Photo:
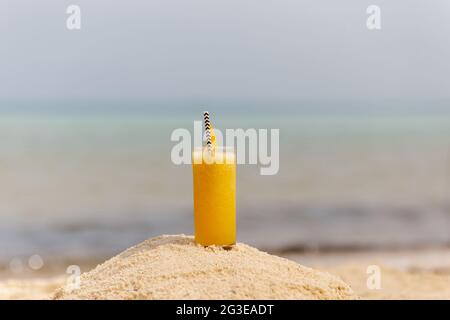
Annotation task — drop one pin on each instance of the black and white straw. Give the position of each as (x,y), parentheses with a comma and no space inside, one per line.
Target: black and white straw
(207,124)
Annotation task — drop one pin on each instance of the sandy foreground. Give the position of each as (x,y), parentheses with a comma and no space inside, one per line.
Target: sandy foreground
(418,274)
(421,274)
(174,267)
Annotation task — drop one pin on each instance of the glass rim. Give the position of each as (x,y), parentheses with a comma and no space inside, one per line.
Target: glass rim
(227,148)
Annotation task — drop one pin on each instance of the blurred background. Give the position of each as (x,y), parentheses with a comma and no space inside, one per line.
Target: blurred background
(86,117)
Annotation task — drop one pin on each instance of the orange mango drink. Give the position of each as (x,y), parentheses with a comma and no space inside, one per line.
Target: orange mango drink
(214,173)
(214,196)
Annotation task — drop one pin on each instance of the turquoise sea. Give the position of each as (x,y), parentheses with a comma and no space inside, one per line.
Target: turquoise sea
(91,183)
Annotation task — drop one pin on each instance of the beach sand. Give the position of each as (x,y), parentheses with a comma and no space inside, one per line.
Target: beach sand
(174,267)
(404,274)
(30,289)
(415,274)
(396,284)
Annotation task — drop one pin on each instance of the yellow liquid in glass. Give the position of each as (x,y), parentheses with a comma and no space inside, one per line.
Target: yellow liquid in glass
(214,196)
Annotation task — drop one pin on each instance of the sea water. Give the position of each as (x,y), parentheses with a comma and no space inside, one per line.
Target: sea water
(93,183)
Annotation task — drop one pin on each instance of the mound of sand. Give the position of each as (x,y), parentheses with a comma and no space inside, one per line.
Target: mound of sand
(174,267)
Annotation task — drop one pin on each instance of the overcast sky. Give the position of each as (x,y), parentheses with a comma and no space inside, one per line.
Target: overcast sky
(225,49)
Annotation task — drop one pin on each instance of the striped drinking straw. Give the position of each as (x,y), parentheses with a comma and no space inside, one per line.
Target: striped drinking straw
(207,124)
